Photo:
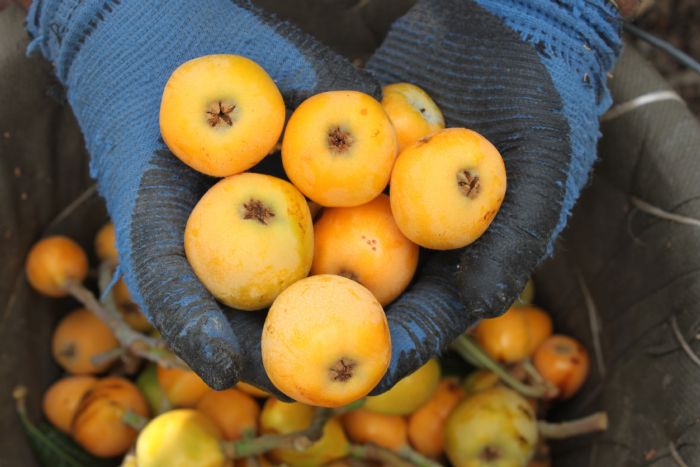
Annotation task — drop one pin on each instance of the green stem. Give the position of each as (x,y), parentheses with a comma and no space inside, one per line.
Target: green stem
(134,420)
(471,351)
(298,441)
(135,342)
(107,356)
(416,458)
(590,424)
(371,452)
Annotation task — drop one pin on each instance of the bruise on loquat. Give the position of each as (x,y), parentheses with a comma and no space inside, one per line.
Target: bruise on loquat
(349,274)
(68,351)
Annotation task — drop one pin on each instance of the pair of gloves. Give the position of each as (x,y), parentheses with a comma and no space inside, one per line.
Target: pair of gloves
(528,75)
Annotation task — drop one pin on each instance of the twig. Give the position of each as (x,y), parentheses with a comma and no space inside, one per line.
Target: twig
(532,372)
(298,441)
(590,424)
(681,340)
(135,342)
(378,454)
(107,356)
(470,350)
(676,455)
(416,458)
(658,212)
(134,420)
(593,321)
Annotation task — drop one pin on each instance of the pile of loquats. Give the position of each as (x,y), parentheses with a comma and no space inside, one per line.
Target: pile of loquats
(252,240)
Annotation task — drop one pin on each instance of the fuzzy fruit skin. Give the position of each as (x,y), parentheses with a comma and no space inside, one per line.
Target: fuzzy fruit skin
(364,244)
(98,425)
(182,388)
(340,338)
(412,111)
(428,202)
(62,399)
(426,426)
(234,413)
(79,336)
(339,178)
(252,390)
(494,427)
(564,362)
(246,262)
(409,393)
(223,150)
(106,244)
(54,262)
(388,431)
(515,335)
(283,418)
(180,438)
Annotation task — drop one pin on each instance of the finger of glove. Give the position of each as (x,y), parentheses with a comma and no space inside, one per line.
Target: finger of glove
(486,76)
(425,319)
(114,58)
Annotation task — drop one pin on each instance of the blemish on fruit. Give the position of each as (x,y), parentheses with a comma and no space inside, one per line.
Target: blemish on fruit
(363,112)
(349,275)
(489,453)
(468,183)
(255,209)
(68,351)
(342,370)
(219,114)
(339,140)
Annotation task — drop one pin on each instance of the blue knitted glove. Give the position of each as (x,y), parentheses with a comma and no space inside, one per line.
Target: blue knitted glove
(532,82)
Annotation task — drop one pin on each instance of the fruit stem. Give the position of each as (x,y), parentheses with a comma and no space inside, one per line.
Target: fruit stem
(133,341)
(19,393)
(298,440)
(473,353)
(590,424)
(134,420)
(405,457)
(107,356)
(416,458)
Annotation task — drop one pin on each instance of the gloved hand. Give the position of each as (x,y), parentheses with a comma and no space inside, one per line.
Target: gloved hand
(530,76)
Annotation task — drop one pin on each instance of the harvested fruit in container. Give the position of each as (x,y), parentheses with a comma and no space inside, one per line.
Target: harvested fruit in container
(99,425)
(54,263)
(409,393)
(79,337)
